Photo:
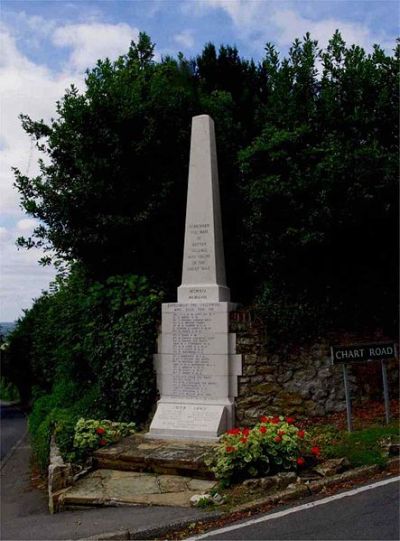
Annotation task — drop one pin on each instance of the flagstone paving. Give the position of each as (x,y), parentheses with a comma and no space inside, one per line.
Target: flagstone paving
(112,487)
(173,457)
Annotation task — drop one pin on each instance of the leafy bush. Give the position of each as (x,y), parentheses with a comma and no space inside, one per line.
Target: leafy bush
(308,158)
(96,334)
(59,411)
(274,444)
(90,434)
(8,391)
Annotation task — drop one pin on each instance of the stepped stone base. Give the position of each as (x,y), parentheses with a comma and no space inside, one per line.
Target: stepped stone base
(114,488)
(173,457)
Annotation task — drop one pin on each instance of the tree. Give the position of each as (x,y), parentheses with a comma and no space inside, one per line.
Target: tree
(307,149)
(114,194)
(320,184)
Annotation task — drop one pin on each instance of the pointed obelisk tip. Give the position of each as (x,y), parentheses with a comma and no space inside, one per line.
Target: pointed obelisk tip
(201,116)
(203,273)
(202,120)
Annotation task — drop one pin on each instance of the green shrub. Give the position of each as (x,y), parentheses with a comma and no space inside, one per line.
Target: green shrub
(91,434)
(95,334)
(60,411)
(8,391)
(272,445)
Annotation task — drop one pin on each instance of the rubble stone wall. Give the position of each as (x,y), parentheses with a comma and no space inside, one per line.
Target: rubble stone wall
(301,381)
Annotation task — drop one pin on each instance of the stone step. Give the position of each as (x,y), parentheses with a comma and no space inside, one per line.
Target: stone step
(170,457)
(113,488)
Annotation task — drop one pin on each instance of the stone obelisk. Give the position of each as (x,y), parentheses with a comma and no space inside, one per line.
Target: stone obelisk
(196,364)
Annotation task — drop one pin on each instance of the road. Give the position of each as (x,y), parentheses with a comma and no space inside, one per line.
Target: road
(13,426)
(362,513)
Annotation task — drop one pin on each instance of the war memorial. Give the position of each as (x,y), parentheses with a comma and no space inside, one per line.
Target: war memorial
(196,363)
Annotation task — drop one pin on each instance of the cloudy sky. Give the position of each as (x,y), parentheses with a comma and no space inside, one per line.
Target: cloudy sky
(47,45)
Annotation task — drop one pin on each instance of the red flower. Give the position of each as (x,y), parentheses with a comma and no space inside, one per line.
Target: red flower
(245,431)
(264,419)
(278,439)
(102,442)
(100,430)
(281,432)
(316,451)
(289,420)
(300,434)
(230,449)
(275,420)
(234,431)
(263,429)
(300,461)
(243,440)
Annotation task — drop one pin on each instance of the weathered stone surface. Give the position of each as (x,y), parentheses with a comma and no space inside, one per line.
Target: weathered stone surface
(285,478)
(267,482)
(59,476)
(200,485)
(251,483)
(303,382)
(137,453)
(109,487)
(172,483)
(332,466)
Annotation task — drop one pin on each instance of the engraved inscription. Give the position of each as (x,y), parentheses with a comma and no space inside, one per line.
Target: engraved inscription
(199,253)
(191,369)
(187,416)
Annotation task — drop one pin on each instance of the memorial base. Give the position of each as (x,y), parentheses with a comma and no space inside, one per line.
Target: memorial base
(191,420)
(203,293)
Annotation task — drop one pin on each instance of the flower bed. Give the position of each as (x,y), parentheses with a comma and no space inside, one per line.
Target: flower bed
(274,444)
(91,434)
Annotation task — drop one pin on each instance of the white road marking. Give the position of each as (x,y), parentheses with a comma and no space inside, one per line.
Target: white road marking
(309,505)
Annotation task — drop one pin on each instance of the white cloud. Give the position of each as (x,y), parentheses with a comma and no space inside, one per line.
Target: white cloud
(22,278)
(259,21)
(185,38)
(4,234)
(89,42)
(245,13)
(291,25)
(25,87)
(26,225)
(32,88)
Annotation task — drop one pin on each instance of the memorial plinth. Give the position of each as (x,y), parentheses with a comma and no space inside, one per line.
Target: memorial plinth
(196,364)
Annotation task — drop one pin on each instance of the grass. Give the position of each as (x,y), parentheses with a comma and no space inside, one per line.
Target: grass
(362,447)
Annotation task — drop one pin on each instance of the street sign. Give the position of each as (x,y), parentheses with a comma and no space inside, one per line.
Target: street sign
(361,353)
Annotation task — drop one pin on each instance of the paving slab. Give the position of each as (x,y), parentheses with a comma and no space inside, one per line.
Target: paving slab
(112,487)
(25,515)
(173,457)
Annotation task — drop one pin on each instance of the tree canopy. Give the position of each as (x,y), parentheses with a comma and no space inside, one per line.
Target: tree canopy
(307,149)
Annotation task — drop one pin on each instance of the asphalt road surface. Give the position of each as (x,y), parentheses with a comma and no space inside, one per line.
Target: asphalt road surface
(13,426)
(362,514)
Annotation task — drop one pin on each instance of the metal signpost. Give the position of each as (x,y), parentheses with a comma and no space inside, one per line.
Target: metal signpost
(360,353)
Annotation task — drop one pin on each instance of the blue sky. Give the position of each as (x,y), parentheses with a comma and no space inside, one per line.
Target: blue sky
(47,45)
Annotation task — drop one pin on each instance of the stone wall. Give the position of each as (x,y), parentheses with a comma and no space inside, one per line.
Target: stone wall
(302,381)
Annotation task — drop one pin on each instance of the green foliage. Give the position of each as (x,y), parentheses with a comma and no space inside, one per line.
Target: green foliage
(308,173)
(112,195)
(361,447)
(91,434)
(272,445)
(320,190)
(59,411)
(100,335)
(8,391)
